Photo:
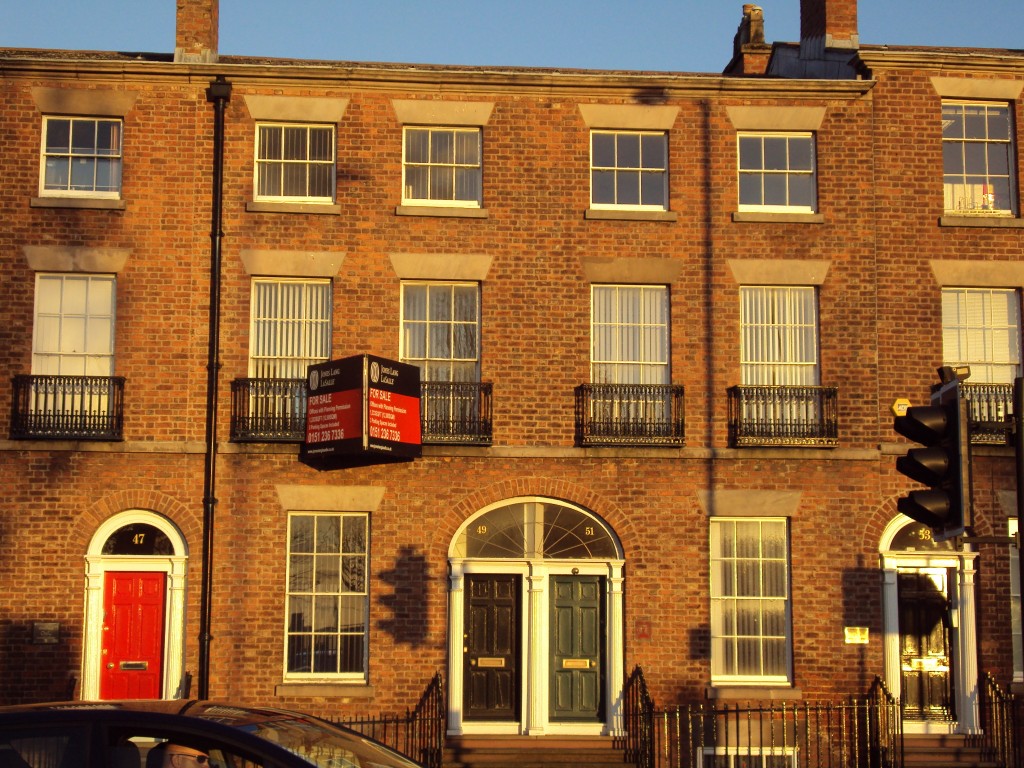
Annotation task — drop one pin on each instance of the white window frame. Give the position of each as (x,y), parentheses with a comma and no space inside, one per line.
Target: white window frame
(724,615)
(88,158)
(73,331)
(621,169)
(987,191)
(441,332)
(974,330)
(632,345)
(779,335)
(450,166)
(281,165)
(289,326)
(311,592)
(749,172)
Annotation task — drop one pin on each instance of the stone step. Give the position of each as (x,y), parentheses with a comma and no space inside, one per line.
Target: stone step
(532,752)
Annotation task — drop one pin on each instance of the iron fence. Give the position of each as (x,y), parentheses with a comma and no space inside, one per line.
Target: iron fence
(418,734)
(629,414)
(859,733)
(268,410)
(456,412)
(783,416)
(989,407)
(67,407)
(1002,725)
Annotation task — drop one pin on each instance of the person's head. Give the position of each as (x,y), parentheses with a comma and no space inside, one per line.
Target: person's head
(169,755)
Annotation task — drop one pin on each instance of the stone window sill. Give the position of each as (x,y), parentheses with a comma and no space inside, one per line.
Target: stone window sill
(753,693)
(315,208)
(441,211)
(778,218)
(91,203)
(607,214)
(327,690)
(998,222)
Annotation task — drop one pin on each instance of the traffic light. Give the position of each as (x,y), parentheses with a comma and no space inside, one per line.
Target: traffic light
(943,464)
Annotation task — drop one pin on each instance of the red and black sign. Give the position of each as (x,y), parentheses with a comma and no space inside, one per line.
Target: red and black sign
(361,409)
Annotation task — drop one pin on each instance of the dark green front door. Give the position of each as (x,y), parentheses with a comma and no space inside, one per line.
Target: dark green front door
(491,648)
(577,648)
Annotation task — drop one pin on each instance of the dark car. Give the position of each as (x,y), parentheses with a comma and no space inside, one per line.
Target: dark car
(112,734)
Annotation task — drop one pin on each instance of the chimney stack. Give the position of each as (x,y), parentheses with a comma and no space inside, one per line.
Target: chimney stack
(827,24)
(195,39)
(750,53)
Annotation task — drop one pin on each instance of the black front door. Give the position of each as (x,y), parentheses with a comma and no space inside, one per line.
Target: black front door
(577,648)
(491,648)
(924,647)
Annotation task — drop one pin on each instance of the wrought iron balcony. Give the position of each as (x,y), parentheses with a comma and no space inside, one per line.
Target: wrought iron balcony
(783,416)
(67,408)
(456,412)
(268,410)
(629,414)
(989,406)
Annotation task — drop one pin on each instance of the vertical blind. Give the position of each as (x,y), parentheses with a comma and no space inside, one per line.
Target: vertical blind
(779,335)
(629,334)
(981,328)
(291,327)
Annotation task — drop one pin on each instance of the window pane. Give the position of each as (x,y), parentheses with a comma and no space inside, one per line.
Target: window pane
(629,188)
(442,147)
(800,156)
(417,145)
(653,151)
(750,189)
(751,153)
(603,150)
(775,155)
(83,137)
(603,187)
(652,191)
(628,151)
(467,147)
(270,143)
(58,135)
(801,191)
(775,189)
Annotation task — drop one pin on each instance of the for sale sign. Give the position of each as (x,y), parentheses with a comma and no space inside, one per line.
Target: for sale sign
(359,410)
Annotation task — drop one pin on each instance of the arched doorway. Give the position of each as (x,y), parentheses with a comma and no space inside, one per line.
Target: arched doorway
(134,609)
(535,621)
(929,633)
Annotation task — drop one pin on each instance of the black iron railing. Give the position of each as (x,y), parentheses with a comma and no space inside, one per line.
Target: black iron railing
(268,410)
(783,416)
(858,733)
(989,406)
(457,412)
(629,414)
(1002,725)
(418,734)
(67,408)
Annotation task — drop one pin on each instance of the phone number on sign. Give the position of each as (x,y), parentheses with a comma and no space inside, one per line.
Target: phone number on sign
(383,433)
(323,435)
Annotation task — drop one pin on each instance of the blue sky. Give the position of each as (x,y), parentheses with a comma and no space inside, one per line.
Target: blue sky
(671,35)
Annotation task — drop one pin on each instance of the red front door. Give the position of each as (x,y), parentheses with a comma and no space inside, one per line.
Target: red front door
(133,636)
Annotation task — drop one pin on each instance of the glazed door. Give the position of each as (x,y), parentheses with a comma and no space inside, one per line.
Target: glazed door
(577,648)
(133,636)
(491,648)
(924,646)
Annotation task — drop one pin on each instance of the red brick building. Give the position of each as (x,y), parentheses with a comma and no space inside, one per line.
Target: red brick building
(660,320)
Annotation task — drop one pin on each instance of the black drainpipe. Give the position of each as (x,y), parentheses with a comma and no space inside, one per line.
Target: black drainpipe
(219,94)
